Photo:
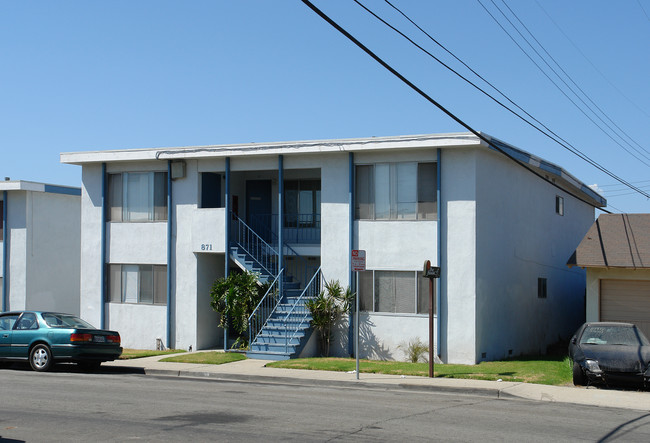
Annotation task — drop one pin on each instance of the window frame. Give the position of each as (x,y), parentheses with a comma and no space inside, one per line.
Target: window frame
(420,293)
(119,192)
(559,205)
(156,296)
(422,199)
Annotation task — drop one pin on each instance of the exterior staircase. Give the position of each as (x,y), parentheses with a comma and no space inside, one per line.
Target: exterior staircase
(280,326)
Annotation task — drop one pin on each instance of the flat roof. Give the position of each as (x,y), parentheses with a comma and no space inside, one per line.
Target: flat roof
(24,185)
(548,170)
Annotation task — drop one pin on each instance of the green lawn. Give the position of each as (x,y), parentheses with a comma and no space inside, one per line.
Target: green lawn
(128,354)
(542,370)
(207,358)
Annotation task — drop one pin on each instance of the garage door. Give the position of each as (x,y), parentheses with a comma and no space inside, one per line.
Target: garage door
(626,301)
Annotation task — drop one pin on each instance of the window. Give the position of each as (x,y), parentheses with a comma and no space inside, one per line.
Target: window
(210,190)
(7,321)
(137,196)
(541,288)
(396,191)
(27,321)
(301,203)
(559,205)
(394,291)
(145,284)
(2,203)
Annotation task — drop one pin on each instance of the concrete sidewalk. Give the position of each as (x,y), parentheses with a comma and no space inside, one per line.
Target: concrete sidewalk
(256,370)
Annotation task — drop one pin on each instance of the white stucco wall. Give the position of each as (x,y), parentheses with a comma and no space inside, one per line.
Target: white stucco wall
(91,241)
(17,221)
(139,325)
(53,252)
(458,268)
(520,238)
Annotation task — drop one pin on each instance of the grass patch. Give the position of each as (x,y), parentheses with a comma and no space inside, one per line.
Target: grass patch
(128,354)
(541,370)
(207,358)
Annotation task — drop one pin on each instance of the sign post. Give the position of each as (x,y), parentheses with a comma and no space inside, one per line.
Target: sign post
(431,272)
(358,264)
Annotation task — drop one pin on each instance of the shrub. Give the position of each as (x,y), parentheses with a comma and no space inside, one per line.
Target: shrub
(415,350)
(326,308)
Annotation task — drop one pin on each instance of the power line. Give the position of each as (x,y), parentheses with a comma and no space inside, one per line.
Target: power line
(552,81)
(589,60)
(428,98)
(576,85)
(556,138)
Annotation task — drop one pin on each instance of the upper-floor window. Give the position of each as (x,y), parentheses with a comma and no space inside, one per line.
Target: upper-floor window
(396,191)
(1,218)
(211,190)
(559,205)
(301,203)
(137,196)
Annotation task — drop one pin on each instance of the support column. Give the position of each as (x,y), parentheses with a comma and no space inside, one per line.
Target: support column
(102,252)
(281,221)
(351,279)
(227,240)
(169,254)
(5,249)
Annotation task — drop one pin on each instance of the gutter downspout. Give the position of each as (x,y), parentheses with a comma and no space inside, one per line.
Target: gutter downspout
(5,236)
(102,302)
(169,254)
(227,241)
(280,219)
(351,247)
(438,285)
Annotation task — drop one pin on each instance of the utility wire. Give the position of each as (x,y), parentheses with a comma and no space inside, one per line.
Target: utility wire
(554,83)
(559,140)
(590,62)
(578,86)
(430,99)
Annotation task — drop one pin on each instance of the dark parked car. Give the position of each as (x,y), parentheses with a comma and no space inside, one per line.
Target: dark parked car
(45,338)
(610,353)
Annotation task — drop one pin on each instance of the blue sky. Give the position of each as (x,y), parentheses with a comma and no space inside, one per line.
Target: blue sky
(80,75)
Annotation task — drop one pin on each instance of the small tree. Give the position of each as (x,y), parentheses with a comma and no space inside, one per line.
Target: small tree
(326,308)
(235,298)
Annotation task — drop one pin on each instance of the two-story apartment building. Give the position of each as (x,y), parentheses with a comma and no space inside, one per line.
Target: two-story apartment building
(40,242)
(160,225)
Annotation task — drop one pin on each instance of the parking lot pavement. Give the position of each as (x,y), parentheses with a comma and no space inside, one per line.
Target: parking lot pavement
(256,370)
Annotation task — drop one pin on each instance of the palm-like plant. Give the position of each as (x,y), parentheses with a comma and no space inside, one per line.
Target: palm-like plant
(326,308)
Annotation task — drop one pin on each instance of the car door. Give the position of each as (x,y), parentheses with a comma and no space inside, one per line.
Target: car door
(7,322)
(25,331)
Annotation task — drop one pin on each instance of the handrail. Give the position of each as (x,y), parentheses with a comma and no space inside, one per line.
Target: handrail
(311,289)
(256,247)
(303,270)
(267,306)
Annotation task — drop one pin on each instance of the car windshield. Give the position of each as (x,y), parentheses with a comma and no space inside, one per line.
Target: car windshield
(65,321)
(613,335)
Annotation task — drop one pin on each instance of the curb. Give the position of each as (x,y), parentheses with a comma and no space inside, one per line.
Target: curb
(272,379)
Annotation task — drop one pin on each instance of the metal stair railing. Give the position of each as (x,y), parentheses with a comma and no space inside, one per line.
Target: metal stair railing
(302,270)
(255,246)
(300,309)
(264,309)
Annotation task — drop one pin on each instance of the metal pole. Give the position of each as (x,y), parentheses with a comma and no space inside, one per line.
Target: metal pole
(431,355)
(5,239)
(169,255)
(102,252)
(356,321)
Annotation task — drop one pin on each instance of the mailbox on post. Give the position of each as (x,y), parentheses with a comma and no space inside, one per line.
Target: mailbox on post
(430,272)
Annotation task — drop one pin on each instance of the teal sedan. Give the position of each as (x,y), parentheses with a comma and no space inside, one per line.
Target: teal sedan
(46,338)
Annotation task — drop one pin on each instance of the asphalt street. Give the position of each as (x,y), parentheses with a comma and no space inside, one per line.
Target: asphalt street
(68,405)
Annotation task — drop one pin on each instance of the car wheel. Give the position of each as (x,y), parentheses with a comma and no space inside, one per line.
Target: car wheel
(40,358)
(579,378)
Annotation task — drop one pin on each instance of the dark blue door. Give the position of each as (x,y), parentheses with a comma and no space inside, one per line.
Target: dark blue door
(259,207)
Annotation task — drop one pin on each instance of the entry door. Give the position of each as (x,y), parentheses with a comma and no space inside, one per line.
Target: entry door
(259,207)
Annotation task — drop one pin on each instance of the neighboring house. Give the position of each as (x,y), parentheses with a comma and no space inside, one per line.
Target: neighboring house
(616,254)
(41,250)
(160,225)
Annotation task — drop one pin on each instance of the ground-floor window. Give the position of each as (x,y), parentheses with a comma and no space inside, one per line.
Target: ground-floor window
(145,284)
(394,291)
